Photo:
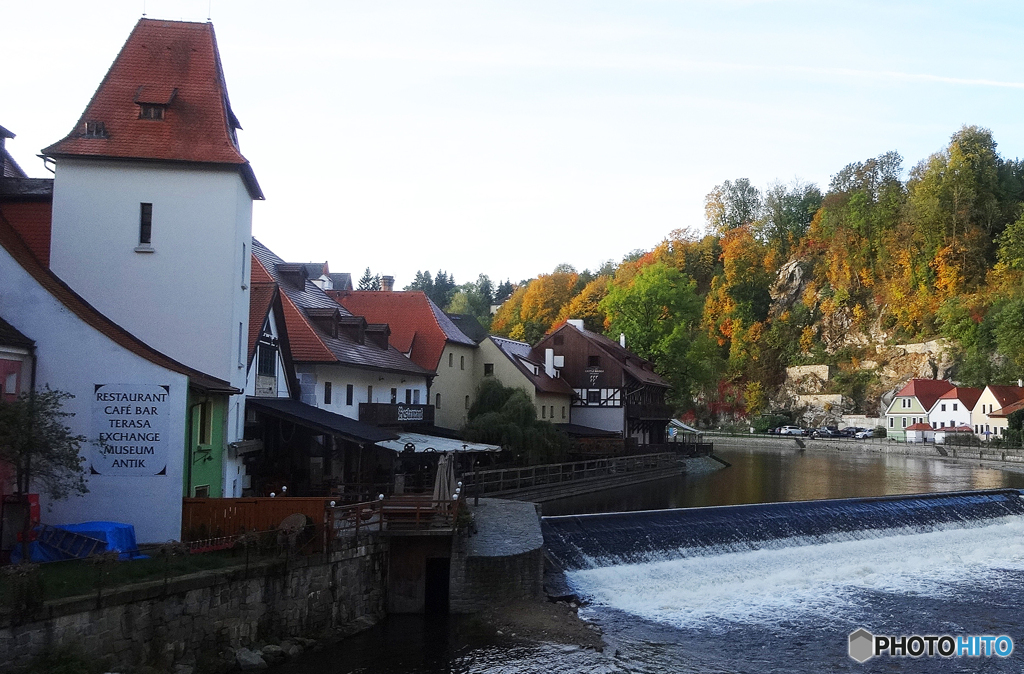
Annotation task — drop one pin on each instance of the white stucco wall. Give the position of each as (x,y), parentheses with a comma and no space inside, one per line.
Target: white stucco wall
(312,378)
(949,418)
(74,357)
(189,297)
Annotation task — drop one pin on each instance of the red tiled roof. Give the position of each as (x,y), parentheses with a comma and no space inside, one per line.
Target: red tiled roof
(13,244)
(31,219)
(1006,395)
(418,327)
(920,426)
(927,391)
(1009,409)
(261,297)
(965,394)
(306,345)
(174,64)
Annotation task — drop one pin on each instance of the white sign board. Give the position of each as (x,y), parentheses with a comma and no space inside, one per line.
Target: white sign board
(130,421)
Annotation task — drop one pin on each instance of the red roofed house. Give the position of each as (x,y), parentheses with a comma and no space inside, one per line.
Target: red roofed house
(989,417)
(615,389)
(953,408)
(911,405)
(152,208)
(423,332)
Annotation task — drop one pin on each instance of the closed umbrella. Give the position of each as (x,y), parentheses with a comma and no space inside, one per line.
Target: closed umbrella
(444,481)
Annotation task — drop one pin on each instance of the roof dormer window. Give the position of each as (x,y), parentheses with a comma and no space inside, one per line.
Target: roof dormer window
(95,130)
(150,111)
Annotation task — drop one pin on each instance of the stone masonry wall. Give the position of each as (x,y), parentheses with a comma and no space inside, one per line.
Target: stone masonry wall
(478,583)
(196,619)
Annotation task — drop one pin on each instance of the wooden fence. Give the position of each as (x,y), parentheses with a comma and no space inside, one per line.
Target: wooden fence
(206,519)
(513,479)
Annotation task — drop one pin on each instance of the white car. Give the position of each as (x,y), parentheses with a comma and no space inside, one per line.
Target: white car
(866,433)
(791,430)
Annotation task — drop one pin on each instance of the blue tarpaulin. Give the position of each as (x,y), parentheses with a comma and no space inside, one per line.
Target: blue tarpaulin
(118,537)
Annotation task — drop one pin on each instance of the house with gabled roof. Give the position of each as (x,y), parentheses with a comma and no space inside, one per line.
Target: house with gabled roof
(153,425)
(614,388)
(514,365)
(911,404)
(352,386)
(429,338)
(152,207)
(989,417)
(953,408)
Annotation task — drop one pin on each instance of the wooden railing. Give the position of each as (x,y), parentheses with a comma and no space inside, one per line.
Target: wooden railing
(514,479)
(215,521)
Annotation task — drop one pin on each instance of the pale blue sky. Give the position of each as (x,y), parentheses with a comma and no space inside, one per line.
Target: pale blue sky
(505,138)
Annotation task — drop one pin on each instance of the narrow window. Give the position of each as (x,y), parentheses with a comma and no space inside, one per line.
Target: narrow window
(943,407)
(348,394)
(451,359)
(394,396)
(145,224)
(563,411)
(369,394)
(488,369)
(241,345)
(892,422)
(904,420)
(552,411)
(408,396)
(266,360)
(462,362)
(543,412)
(954,407)
(205,422)
(244,258)
(327,393)
(467,402)
(437,401)
(416,397)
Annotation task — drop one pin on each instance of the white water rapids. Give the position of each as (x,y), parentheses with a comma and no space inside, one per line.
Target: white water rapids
(823,580)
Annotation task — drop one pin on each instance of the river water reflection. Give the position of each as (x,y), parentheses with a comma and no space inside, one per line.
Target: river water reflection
(785,610)
(766,475)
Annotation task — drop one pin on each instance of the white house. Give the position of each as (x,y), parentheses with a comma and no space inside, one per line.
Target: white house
(152,207)
(984,418)
(953,408)
(130,402)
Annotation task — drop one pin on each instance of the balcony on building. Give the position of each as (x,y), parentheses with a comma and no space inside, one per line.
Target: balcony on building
(396,414)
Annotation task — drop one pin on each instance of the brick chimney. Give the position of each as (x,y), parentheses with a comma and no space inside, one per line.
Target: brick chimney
(387,283)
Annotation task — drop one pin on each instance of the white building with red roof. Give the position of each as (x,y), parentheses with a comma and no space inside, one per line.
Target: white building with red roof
(152,207)
(953,408)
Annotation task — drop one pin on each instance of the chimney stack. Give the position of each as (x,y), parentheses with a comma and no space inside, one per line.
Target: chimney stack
(549,362)
(387,283)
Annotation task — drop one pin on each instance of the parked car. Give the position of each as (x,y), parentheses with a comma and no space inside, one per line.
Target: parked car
(865,433)
(791,430)
(825,432)
(850,431)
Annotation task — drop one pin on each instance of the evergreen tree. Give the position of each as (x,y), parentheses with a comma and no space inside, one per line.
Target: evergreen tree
(369,281)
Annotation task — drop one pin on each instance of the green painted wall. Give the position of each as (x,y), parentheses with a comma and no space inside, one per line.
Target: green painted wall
(204,448)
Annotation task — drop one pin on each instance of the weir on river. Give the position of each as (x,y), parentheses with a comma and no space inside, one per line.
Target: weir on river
(590,541)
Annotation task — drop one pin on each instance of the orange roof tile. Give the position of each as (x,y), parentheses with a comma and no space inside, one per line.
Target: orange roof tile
(176,66)
(418,327)
(1006,395)
(965,394)
(927,391)
(261,298)
(305,344)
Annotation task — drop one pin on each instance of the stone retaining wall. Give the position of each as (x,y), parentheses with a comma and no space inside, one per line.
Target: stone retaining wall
(197,620)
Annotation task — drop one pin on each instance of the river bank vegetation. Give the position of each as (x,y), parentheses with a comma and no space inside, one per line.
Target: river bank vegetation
(792,274)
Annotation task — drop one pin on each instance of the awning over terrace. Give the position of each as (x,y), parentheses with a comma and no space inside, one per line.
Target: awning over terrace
(418,443)
(321,420)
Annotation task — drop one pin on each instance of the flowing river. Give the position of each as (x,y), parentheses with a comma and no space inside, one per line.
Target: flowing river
(765,605)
